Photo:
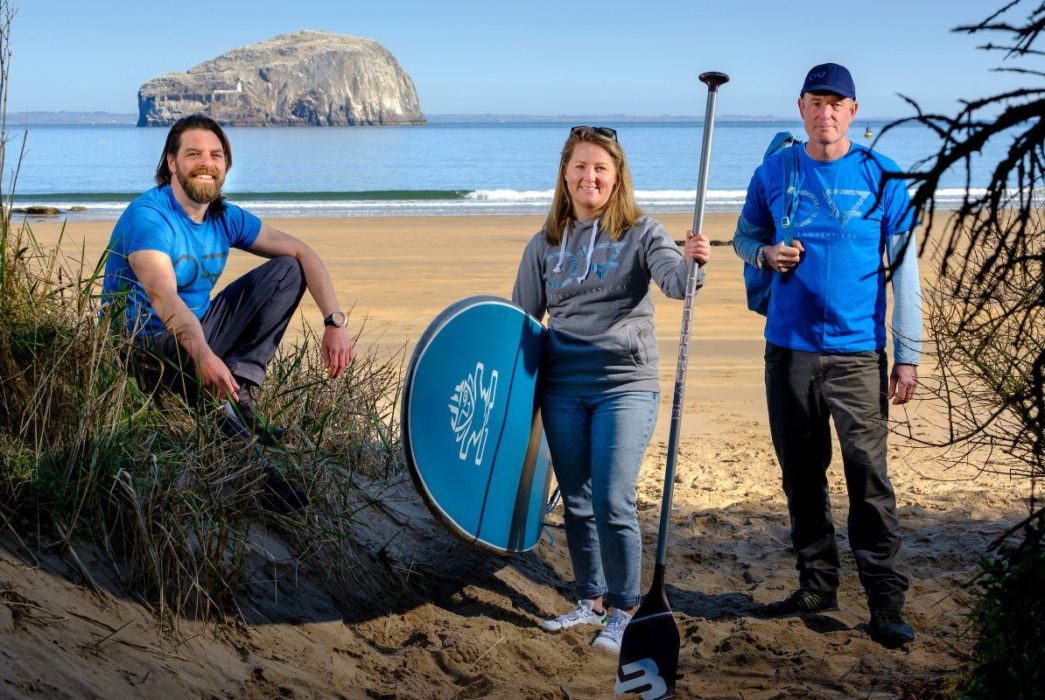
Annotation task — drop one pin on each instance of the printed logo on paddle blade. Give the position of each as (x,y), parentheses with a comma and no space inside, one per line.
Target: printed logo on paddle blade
(642,677)
(470,405)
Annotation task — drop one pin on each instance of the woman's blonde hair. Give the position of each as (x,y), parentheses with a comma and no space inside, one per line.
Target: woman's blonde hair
(620,213)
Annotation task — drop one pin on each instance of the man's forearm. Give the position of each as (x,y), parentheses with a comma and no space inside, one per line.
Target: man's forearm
(748,239)
(182,324)
(318,281)
(907,299)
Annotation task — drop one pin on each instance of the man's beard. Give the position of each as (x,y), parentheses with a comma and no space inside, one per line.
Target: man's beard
(201,191)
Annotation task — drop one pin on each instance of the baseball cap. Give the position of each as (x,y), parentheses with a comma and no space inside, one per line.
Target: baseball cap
(830,77)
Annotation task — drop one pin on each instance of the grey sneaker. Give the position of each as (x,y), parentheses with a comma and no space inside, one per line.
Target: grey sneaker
(610,637)
(583,614)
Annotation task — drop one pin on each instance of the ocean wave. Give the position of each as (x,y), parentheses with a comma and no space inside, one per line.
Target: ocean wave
(544,196)
(101,206)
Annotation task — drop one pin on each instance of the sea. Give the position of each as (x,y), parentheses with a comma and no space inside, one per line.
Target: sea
(449,167)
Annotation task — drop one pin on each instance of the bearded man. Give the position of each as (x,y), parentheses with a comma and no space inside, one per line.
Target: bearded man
(165,256)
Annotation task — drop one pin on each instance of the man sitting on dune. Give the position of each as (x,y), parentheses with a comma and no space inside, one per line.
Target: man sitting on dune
(165,256)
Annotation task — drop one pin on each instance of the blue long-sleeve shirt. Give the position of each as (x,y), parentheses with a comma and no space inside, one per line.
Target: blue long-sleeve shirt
(834,300)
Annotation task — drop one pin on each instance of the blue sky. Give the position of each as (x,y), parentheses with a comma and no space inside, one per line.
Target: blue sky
(544,57)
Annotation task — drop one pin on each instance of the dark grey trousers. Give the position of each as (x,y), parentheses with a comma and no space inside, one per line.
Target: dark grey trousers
(804,391)
(243,326)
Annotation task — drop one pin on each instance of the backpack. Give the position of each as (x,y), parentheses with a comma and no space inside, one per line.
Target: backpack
(757,281)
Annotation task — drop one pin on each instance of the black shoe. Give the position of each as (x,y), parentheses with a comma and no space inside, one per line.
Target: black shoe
(231,423)
(278,496)
(890,628)
(239,420)
(802,602)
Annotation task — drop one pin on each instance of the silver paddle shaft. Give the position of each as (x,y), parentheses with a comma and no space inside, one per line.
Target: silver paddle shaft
(713,80)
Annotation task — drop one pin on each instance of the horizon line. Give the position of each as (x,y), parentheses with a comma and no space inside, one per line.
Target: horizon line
(98,117)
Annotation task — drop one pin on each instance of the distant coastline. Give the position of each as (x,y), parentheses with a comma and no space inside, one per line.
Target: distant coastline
(72,118)
(592,118)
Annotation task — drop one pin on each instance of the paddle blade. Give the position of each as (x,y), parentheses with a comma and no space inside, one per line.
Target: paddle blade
(649,649)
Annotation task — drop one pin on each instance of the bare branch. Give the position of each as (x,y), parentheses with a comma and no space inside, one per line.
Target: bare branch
(986,312)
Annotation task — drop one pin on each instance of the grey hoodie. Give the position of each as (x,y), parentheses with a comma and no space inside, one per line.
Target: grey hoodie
(600,313)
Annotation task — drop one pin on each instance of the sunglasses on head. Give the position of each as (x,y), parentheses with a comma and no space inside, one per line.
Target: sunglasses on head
(603,131)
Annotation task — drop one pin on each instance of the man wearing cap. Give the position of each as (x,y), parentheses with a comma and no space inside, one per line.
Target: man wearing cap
(825,343)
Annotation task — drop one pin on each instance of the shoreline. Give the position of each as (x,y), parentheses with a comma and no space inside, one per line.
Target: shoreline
(76,207)
(79,207)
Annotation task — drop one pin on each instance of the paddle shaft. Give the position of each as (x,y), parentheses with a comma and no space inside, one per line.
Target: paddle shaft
(713,81)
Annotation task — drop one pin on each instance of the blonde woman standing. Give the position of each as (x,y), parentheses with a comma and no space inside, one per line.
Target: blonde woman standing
(590,269)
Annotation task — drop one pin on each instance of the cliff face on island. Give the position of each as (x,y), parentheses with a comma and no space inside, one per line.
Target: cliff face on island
(304,78)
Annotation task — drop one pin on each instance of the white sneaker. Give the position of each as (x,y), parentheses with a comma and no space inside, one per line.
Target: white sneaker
(610,637)
(584,614)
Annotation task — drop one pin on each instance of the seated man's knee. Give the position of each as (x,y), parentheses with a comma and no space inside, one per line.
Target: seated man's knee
(288,267)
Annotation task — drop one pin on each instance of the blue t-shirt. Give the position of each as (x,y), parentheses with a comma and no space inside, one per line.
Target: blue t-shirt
(155,221)
(834,300)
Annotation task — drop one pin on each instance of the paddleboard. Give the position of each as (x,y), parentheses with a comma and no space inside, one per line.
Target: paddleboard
(471,426)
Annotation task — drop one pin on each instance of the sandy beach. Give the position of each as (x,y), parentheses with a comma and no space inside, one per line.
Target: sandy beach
(474,632)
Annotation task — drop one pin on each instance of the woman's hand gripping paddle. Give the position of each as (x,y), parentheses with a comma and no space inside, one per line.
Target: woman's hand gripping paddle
(649,650)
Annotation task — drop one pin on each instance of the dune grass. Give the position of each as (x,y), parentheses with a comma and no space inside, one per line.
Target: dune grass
(87,456)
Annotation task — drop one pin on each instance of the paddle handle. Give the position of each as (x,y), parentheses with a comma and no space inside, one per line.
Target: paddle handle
(713,80)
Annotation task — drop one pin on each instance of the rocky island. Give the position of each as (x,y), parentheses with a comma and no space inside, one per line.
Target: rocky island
(305,78)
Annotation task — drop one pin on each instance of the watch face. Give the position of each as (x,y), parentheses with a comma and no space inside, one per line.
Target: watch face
(338,319)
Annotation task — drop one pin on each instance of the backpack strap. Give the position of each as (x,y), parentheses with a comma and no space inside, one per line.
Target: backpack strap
(791,166)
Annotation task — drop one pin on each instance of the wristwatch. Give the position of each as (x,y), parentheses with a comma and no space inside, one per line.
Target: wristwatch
(338,319)
(760,258)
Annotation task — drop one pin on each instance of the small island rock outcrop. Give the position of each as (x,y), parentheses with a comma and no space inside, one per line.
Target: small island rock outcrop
(304,78)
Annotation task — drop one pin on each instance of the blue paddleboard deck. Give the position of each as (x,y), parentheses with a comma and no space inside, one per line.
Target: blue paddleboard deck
(471,429)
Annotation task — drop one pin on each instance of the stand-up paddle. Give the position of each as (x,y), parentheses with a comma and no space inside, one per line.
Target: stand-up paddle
(649,650)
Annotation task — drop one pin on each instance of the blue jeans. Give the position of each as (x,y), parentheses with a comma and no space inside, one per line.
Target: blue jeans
(597,444)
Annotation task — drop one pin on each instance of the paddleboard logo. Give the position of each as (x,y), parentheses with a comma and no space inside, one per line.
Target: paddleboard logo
(642,677)
(470,407)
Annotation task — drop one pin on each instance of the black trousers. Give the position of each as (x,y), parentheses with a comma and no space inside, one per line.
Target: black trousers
(804,391)
(243,326)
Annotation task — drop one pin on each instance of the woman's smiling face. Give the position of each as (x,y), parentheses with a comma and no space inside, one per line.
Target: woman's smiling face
(590,178)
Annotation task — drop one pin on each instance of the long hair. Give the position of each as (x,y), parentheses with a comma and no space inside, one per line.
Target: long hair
(620,213)
(170,148)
